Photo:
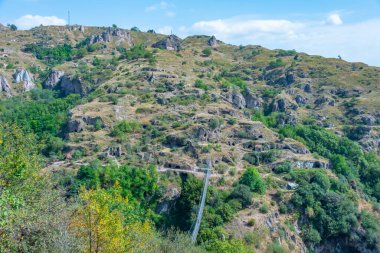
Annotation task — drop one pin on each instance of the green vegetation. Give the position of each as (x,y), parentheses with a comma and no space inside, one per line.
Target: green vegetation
(202,85)
(253,180)
(43,113)
(13,27)
(136,52)
(347,157)
(58,54)
(125,127)
(207,52)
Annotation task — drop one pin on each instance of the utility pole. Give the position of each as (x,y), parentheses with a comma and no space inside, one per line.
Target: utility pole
(68,17)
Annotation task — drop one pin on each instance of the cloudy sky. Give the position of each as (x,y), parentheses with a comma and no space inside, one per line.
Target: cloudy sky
(349,28)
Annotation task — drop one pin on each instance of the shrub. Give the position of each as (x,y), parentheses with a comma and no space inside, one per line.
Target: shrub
(276,63)
(215,123)
(251,222)
(207,52)
(264,209)
(285,167)
(242,193)
(124,127)
(201,85)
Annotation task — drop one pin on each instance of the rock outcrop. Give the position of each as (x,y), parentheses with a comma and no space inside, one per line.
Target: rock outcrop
(5,87)
(212,41)
(171,42)
(237,99)
(282,105)
(53,79)
(69,85)
(22,75)
(251,101)
(121,36)
(279,77)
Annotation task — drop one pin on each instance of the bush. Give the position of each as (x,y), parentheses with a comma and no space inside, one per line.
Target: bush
(264,209)
(201,85)
(13,27)
(207,52)
(253,180)
(125,127)
(276,63)
(285,167)
(242,193)
(251,222)
(215,123)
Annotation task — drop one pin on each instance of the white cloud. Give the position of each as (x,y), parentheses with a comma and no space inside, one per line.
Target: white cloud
(165,30)
(29,21)
(335,19)
(163,7)
(354,42)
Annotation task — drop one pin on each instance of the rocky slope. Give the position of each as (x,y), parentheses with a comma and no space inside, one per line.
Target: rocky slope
(193,107)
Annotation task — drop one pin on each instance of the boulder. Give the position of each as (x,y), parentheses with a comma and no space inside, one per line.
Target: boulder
(5,87)
(307,88)
(171,42)
(236,99)
(23,75)
(212,41)
(300,100)
(53,79)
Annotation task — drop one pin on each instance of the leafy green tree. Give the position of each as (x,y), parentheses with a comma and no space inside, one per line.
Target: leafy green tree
(253,180)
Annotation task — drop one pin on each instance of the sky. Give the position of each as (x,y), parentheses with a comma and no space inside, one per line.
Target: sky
(348,28)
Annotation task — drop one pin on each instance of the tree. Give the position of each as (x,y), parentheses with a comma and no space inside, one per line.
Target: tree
(253,180)
(102,223)
(13,27)
(135,29)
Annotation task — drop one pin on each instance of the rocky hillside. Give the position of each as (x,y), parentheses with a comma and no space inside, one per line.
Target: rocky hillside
(145,98)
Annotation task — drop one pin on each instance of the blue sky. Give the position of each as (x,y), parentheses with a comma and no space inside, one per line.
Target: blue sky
(330,28)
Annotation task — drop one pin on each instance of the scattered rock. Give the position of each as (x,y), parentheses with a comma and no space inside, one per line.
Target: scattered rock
(23,75)
(53,79)
(301,100)
(171,42)
(5,87)
(368,120)
(323,100)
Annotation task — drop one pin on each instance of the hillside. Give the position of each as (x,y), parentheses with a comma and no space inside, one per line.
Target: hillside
(301,132)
